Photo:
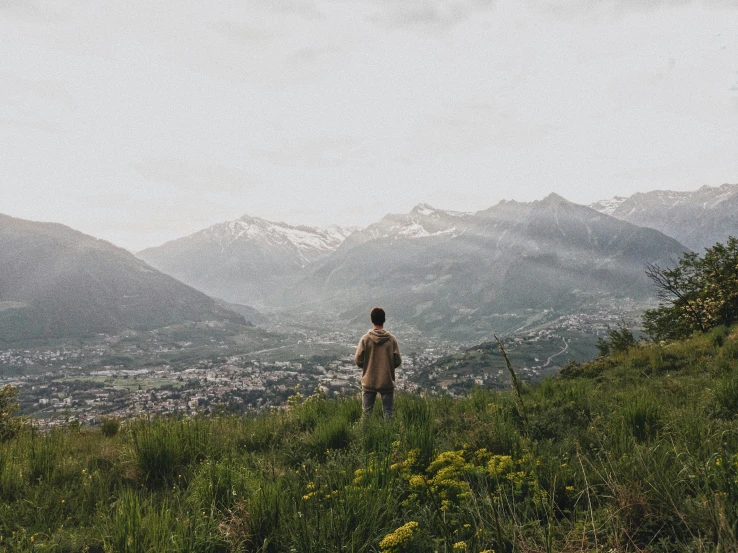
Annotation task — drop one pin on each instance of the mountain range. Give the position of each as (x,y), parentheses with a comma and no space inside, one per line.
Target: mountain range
(442,271)
(438,269)
(57,282)
(698,219)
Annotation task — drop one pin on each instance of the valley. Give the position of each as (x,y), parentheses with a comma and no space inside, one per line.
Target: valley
(224,368)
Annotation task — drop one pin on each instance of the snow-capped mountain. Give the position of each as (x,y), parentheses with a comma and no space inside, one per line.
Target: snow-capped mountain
(436,268)
(423,221)
(246,260)
(446,271)
(698,219)
(306,243)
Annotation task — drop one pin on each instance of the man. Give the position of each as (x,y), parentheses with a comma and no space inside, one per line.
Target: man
(378,355)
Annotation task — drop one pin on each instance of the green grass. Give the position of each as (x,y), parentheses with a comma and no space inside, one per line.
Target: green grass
(633,452)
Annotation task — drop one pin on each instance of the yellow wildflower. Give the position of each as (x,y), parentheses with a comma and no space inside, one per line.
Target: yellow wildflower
(499,465)
(398,540)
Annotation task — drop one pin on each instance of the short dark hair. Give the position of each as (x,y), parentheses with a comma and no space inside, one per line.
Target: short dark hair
(377,316)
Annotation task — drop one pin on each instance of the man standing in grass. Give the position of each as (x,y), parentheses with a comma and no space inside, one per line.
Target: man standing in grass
(378,355)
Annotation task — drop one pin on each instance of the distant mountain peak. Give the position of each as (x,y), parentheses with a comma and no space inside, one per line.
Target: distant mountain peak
(697,218)
(554,199)
(424,209)
(230,259)
(608,206)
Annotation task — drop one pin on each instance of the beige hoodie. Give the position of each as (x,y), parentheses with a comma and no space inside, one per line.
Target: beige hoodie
(378,355)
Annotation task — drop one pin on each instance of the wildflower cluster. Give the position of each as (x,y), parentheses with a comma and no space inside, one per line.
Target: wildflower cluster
(399,540)
(447,479)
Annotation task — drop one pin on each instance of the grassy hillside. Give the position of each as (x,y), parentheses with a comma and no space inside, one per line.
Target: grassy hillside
(635,452)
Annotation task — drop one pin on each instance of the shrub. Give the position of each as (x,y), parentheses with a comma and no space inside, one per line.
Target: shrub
(618,340)
(9,423)
(718,335)
(109,426)
(699,293)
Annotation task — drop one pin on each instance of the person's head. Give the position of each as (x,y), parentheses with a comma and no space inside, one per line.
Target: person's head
(377,316)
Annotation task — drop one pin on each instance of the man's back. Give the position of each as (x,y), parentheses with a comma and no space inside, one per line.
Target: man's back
(378,355)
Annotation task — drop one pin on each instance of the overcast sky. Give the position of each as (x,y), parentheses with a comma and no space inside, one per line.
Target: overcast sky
(139,122)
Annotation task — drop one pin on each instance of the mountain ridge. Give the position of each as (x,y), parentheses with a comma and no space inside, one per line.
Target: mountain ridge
(57,281)
(229,260)
(437,267)
(550,253)
(697,218)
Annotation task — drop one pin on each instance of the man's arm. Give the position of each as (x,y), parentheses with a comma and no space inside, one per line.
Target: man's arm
(359,357)
(396,355)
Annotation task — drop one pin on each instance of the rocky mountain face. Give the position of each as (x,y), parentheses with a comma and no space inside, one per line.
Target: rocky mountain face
(249,260)
(57,282)
(440,270)
(698,219)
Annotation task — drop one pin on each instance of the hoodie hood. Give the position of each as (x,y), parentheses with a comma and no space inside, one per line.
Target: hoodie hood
(379,336)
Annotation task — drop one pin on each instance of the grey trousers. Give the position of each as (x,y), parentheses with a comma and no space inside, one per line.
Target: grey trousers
(388,403)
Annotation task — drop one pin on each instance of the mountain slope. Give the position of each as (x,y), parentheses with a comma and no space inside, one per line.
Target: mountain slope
(698,219)
(58,282)
(244,261)
(441,270)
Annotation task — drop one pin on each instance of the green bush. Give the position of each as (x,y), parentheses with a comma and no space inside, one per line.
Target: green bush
(10,424)
(618,340)
(109,426)
(699,293)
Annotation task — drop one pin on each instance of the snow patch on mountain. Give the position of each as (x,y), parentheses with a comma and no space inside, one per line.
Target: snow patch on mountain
(308,242)
(608,207)
(418,231)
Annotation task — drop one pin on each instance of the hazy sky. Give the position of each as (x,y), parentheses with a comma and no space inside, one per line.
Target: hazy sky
(143,121)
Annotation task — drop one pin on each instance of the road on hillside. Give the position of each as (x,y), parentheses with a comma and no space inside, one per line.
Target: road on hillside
(566,348)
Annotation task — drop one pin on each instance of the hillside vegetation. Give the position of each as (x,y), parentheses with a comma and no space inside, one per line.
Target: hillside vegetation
(636,451)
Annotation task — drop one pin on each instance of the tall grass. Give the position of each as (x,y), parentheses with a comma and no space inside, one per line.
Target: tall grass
(633,452)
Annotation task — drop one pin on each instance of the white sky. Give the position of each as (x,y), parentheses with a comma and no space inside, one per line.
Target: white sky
(142,121)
